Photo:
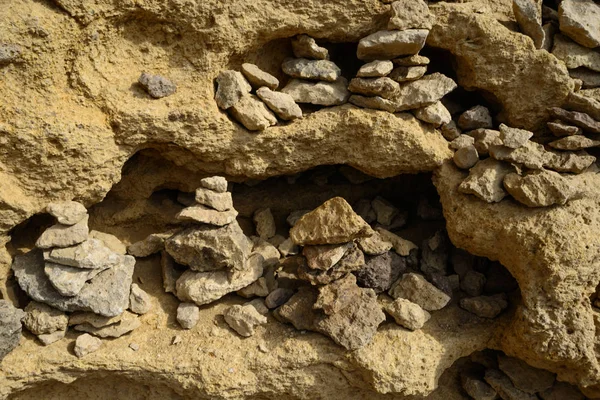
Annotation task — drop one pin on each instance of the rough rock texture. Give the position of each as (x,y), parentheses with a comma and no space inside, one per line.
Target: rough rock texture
(10,329)
(580,20)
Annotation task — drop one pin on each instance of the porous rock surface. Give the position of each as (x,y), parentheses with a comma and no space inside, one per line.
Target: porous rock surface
(72,116)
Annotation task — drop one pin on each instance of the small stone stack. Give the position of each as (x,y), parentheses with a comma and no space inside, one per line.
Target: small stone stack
(259,109)
(380,86)
(315,79)
(74,270)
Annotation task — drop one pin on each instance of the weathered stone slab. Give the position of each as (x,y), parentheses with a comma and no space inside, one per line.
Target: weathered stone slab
(231,87)
(205,215)
(485,180)
(243,319)
(384,87)
(541,188)
(318,93)
(375,69)
(280,103)
(407,314)
(67,212)
(529,20)
(410,14)
(577,142)
(575,55)
(580,20)
(91,254)
(251,112)
(416,288)
(320,70)
(385,45)
(69,281)
(259,78)
(60,235)
(10,327)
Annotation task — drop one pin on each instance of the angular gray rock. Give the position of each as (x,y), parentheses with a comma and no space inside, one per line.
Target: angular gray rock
(407,74)
(423,92)
(410,14)
(206,248)
(375,69)
(529,20)
(380,272)
(49,338)
(559,128)
(206,215)
(576,118)
(475,118)
(575,55)
(385,45)
(384,210)
(407,314)
(466,157)
(504,387)
(140,302)
(320,70)
(541,188)
(10,327)
(151,244)
(318,93)
(258,288)
(352,261)
(86,344)
(69,281)
(169,272)
(561,161)
(251,112)
(514,137)
(243,319)
(282,104)
(95,320)
(525,377)
(436,114)
(9,53)
(486,179)
(337,295)
(60,235)
(584,104)
(106,294)
(485,306)
(304,46)
(484,139)
(580,20)
(278,297)
(531,155)
(259,78)
(374,245)
(214,200)
(188,315)
(435,252)
(577,142)
(323,257)
(231,87)
(265,223)
(67,212)
(384,87)
(157,86)
(215,183)
(42,319)
(91,254)
(299,311)
(587,78)
(415,288)
(269,252)
(206,287)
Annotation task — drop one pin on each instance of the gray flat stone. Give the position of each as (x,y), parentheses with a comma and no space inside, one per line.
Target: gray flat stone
(540,188)
(529,20)
(318,93)
(375,69)
(407,74)
(157,86)
(214,183)
(385,45)
(559,128)
(384,87)
(575,55)
(214,200)
(411,61)
(67,212)
(416,288)
(259,78)
(231,87)
(69,281)
(60,235)
(577,142)
(205,215)
(282,104)
(91,254)
(251,112)
(320,70)
(580,20)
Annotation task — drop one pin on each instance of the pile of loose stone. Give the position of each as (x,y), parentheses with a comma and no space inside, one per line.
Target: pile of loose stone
(78,278)
(506,161)
(380,85)
(491,375)
(571,33)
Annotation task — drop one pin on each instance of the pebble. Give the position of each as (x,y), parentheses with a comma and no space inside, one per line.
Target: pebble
(475,118)
(466,157)
(374,69)
(231,87)
(320,70)
(462,141)
(134,346)
(407,314)
(386,45)
(407,74)
(86,344)
(278,297)
(215,200)
(60,235)
(259,78)
(188,315)
(157,86)
(304,46)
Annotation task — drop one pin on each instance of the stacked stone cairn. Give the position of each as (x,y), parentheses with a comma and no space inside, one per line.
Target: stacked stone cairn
(394,78)
(508,162)
(493,375)
(251,98)
(315,79)
(78,278)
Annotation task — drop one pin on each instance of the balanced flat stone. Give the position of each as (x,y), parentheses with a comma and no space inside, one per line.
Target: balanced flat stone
(514,137)
(10,328)
(318,93)
(529,20)
(333,222)
(206,248)
(205,215)
(407,314)
(582,120)
(215,183)
(128,323)
(385,45)
(375,69)
(584,104)
(580,20)
(60,235)
(411,61)
(106,294)
(157,86)
(320,70)
(577,142)
(575,55)
(540,188)
(410,14)
(384,87)
(251,112)
(423,92)
(466,157)
(188,315)
(67,212)
(231,87)
(486,179)
(484,139)
(215,200)
(375,103)
(559,128)
(407,74)
(282,104)
(304,46)
(259,78)
(91,254)
(436,114)
(206,287)
(323,257)
(416,288)
(69,281)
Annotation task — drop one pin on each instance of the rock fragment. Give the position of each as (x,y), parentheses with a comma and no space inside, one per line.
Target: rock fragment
(67,212)
(49,338)
(320,70)
(504,387)
(258,288)
(188,315)
(384,87)
(95,320)
(407,74)
(541,188)
(580,20)
(10,327)
(401,246)
(333,222)
(485,180)
(215,183)
(462,141)
(578,142)
(582,120)
(299,309)
(384,210)
(278,297)
(575,55)
(485,139)
(206,215)
(466,157)
(243,319)
(562,391)
(532,155)
(157,86)
(375,69)
(407,314)
(576,162)
(318,93)
(587,78)
(90,254)
(280,103)
(415,288)
(42,319)
(410,14)
(68,281)
(411,61)
(337,295)
(559,128)
(436,114)
(473,283)
(140,302)
(475,118)
(86,344)
(265,223)
(584,104)
(110,241)
(253,113)
(385,45)
(259,78)
(60,235)
(214,200)
(153,243)
(304,46)
(514,137)
(525,377)
(169,272)
(127,324)
(231,87)
(485,306)
(529,20)
(323,257)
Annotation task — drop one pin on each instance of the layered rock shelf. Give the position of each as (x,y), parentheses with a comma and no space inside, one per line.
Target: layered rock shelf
(312,200)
